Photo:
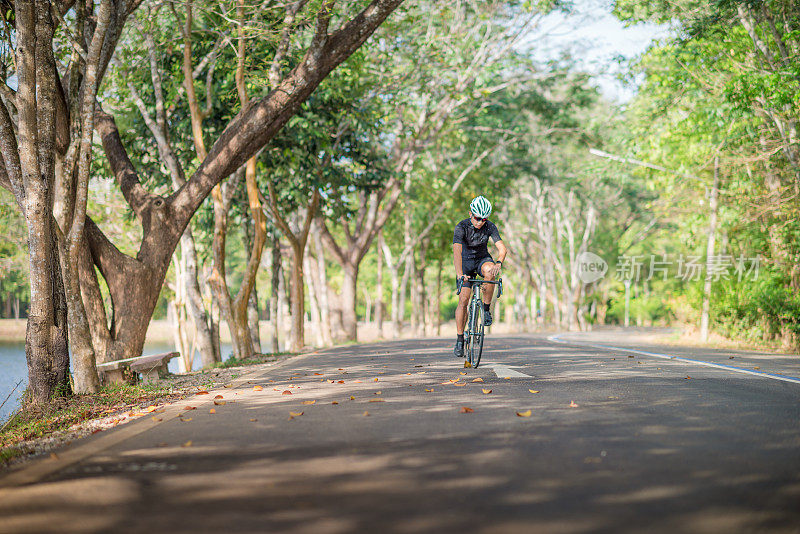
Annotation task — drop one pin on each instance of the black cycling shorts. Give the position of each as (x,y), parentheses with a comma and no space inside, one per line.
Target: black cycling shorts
(472,268)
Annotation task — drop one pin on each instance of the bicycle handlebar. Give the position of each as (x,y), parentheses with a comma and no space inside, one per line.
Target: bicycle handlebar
(460,283)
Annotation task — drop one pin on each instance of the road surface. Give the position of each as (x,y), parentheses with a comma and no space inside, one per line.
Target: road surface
(621,437)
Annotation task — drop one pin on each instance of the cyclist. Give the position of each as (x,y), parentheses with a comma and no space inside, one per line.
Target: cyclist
(471,257)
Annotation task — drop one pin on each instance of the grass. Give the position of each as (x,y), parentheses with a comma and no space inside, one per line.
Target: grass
(31,422)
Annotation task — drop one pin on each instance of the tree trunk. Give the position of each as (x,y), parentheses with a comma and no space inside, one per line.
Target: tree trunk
(313,291)
(402,292)
(297,301)
(379,288)
(349,298)
(712,231)
(252,319)
(319,270)
(194,299)
(274,313)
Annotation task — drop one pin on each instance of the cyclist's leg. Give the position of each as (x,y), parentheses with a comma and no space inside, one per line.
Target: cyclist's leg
(461,309)
(485,269)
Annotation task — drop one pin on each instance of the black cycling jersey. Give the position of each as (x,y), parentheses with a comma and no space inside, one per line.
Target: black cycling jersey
(474,240)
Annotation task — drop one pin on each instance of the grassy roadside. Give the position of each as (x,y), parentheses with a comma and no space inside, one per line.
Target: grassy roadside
(32,422)
(68,418)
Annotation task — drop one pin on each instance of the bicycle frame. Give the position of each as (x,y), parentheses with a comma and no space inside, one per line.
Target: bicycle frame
(473,333)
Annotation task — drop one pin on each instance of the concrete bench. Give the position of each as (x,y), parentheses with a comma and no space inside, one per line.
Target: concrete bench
(150,367)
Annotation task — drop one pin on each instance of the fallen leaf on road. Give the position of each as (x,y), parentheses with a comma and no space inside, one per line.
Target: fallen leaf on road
(341,381)
(377,400)
(286,392)
(534,390)
(309,402)
(465,409)
(212,410)
(157,419)
(150,409)
(486,391)
(257,388)
(296,414)
(467,365)
(377,393)
(331,381)
(219,403)
(228,386)
(352,397)
(185,419)
(417,366)
(189,408)
(187,444)
(479,379)
(253,420)
(356,381)
(572,404)
(376,380)
(756,367)
(526,413)
(202,393)
(460,384)
(53,456)
(506,378)
(366,414)
(462,373)
(429,390)
(318,374)
(688,377)
(334,402)
(730,357)
(218,397)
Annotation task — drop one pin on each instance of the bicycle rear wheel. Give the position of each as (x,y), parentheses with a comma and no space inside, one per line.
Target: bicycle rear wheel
(476,345)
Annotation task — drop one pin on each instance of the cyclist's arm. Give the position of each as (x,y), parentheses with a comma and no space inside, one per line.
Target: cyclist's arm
(457,259)
(501,251)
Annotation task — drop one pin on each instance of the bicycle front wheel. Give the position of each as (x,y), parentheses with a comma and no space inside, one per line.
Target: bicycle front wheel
(476,346)
(468,336)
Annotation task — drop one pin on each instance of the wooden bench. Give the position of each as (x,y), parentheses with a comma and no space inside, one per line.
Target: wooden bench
(150,367)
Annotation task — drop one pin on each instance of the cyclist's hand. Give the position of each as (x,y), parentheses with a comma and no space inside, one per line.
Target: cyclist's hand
(464,277)
(496,271)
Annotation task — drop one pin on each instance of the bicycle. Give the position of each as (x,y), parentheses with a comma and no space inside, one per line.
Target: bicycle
(473,334)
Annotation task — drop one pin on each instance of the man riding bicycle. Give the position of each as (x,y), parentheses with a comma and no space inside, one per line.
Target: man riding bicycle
(471,257)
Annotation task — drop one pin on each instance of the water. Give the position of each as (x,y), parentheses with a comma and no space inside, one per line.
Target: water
(14,368)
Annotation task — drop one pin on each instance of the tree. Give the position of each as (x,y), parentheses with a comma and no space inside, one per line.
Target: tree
(41,130)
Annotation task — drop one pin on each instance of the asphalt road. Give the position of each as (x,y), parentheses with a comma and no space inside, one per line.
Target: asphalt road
(616,441)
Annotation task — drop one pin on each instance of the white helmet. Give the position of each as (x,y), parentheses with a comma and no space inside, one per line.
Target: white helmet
(480,207)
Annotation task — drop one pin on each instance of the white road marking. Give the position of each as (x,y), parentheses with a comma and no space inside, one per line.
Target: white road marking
(773,376)
(503,371)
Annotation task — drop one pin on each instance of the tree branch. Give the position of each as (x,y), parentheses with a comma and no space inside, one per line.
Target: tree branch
(125,174)
(254,126)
